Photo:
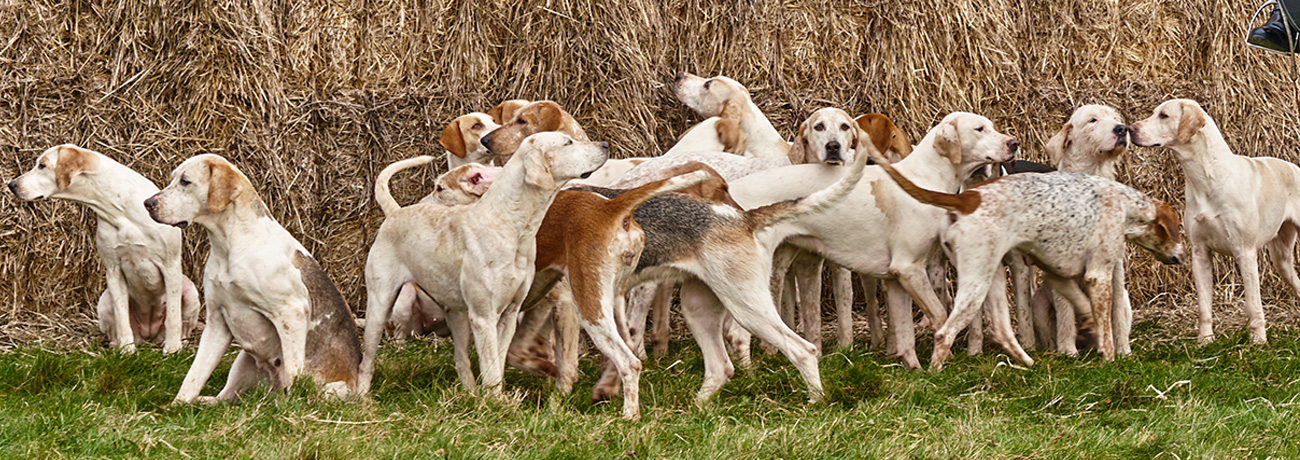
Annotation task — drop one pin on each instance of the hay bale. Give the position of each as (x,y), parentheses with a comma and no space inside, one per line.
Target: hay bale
(312,98)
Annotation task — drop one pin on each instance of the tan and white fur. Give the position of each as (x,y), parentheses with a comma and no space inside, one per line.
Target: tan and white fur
(879,230)
(146,298)
(1235,206)
(475,261)
(263,289)
(461,139)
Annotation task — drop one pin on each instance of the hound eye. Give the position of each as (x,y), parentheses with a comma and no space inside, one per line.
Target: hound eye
(569,143)
(979,129)
(707,83)
(520,122)
(478,125)
(185,182)
(1163,116)
(1093,120)
(40,166)
(844,127)
(819,127)
(438,189)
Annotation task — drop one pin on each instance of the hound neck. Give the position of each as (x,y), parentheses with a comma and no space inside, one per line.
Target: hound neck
(520,204)
(1202,155)
(927,168)
(760,131)
(118,197)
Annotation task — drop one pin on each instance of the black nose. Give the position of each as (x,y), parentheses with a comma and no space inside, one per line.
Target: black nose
(679,77)
(151,203)
(832,147)
(1013,145)
(1120,130)
(13,187)
(486,141)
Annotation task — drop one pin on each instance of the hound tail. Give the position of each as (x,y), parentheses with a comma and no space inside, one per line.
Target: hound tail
(964,202)
(382,196)
(772,214)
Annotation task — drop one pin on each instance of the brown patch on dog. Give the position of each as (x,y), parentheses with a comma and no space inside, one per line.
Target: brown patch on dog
(72,161)
(883,200)
(1168,223)
(333,354)
(453,139)
(506,110)
(1189,122)
(885,136)
(713,189)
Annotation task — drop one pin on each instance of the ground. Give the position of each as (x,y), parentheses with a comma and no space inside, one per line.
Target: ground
(1171,399)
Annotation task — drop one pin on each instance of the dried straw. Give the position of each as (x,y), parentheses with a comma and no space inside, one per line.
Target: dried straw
(312,98)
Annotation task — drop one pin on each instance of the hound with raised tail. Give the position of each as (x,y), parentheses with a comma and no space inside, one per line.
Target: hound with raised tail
(1235,206)
(475,261)
(263,289)
(147,298)
(1072,225)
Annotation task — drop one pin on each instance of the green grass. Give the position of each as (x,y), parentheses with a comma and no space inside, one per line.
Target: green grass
(1172,400)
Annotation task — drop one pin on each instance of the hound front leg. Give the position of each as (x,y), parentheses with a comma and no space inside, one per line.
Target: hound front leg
(212,344)
(807,273)
(876,329)
(291,324)
(661,307)
(1248,266)
(1203,277)
(567,338)
(901,328)
(173,286)
(843,282)
(461,336)
(244,375)
(1023,279)
(1099,293)
(1122,315)
(999,316)
(121,308)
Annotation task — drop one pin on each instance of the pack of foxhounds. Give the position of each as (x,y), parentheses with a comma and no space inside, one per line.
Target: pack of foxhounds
(535,236)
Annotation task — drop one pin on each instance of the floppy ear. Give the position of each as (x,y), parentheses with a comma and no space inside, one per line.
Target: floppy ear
(898,142)
(72,161)
(1191,121)
(452,140)
(948,142)
(1168,221)
(550,117)
(223,186)
(1058,143)
(733,141)
(537,170)
(869,126)
(799,150)
(497,113)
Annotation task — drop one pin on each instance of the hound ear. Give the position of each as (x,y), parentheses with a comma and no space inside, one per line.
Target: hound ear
(72,161)
(733,141)
(1167,219)
(948,142)
(1191,121)
(1058,143)
(452,140)
(223,186)
(496,113)
(799,150)
(537,170)
(550,117)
